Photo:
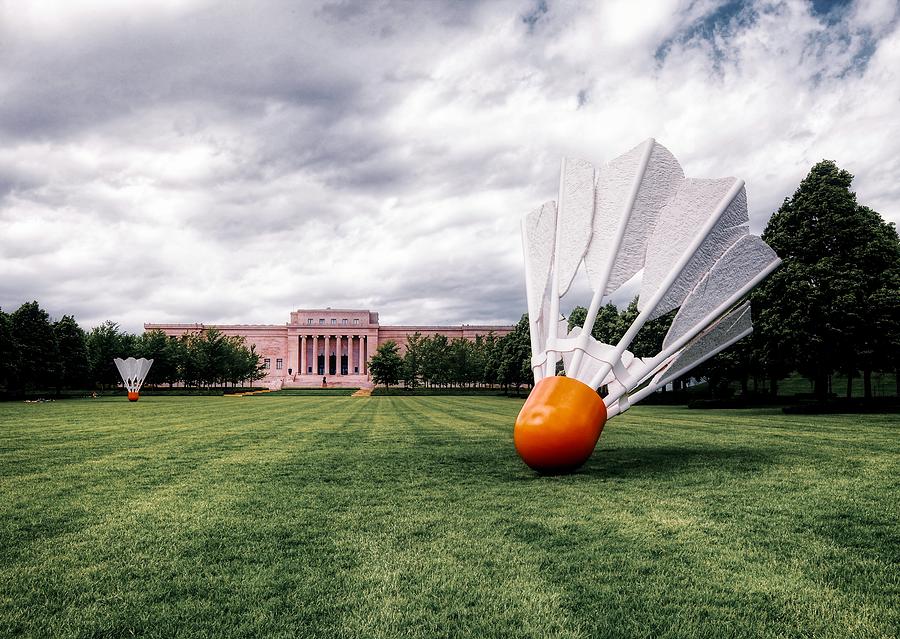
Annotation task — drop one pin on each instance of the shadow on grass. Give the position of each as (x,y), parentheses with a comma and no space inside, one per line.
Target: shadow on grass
(648,461)
(486,464)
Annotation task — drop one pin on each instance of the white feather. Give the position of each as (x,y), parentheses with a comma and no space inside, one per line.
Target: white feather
(631,191)
(703,219)
(722,334)
(133,372)
(741,263)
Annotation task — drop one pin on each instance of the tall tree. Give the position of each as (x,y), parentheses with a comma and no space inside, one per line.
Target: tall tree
(769,338)
(435,364)
(32,331)
(477,360)
(879,340)
(386,364)
(885,336)
(189,364)
(212,354)
(9,351)
(73,368)
(460,360)
(514,367)
(412,360)
(490,374)
(253,369)
(840,259)
(608,327)
(105,343)
(155,345)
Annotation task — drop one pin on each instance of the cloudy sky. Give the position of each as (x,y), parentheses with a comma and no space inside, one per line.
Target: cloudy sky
(190,160)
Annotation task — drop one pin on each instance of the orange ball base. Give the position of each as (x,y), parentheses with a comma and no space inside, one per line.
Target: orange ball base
(132,397)
(559,425)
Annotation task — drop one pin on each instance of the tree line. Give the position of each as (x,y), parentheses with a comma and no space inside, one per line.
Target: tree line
(37,353)
(436,361)
(833,307)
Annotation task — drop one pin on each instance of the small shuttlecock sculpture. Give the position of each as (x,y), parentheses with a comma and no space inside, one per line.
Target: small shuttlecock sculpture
(638,213)
(133,372)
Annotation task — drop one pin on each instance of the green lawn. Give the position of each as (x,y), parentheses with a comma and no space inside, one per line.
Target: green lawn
(413,517)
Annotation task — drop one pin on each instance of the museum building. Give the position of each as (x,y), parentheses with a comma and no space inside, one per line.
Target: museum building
(332,343)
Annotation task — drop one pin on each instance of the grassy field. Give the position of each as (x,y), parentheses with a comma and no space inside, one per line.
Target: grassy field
(413,517)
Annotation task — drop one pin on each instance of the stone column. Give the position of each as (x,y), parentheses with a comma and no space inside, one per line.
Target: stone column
(293,356)
(302,370)
(315,362)
(364,351)
(328,365)
(350,355)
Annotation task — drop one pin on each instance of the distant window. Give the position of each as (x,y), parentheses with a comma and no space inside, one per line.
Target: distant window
(267,363)
(321,320)
(333,321)
(344,321)
(309,321)
(278,364)
(356,321)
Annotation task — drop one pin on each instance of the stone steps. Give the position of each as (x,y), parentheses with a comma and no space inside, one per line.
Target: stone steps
(331,381)
(257,392)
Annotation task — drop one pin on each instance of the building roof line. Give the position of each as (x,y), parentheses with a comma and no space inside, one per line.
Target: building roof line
(383,327)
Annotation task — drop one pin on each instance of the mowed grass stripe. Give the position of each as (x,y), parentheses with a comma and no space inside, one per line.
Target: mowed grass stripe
(143,465)
(194,510)
(417,538)
(412,516)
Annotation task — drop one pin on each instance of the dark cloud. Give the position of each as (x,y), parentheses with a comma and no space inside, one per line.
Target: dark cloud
(534,15)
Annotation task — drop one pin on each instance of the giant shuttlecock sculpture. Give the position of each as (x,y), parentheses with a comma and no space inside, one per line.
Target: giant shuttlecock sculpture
(638,213)
(133,372)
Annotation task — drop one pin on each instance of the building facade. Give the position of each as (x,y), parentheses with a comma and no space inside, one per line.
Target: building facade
(334,344)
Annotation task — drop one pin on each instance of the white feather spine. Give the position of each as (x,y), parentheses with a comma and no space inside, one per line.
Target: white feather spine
(600,290)
(665,374)
(535,297)
(674,273)
(562,223)
(133,372)
(659,359)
